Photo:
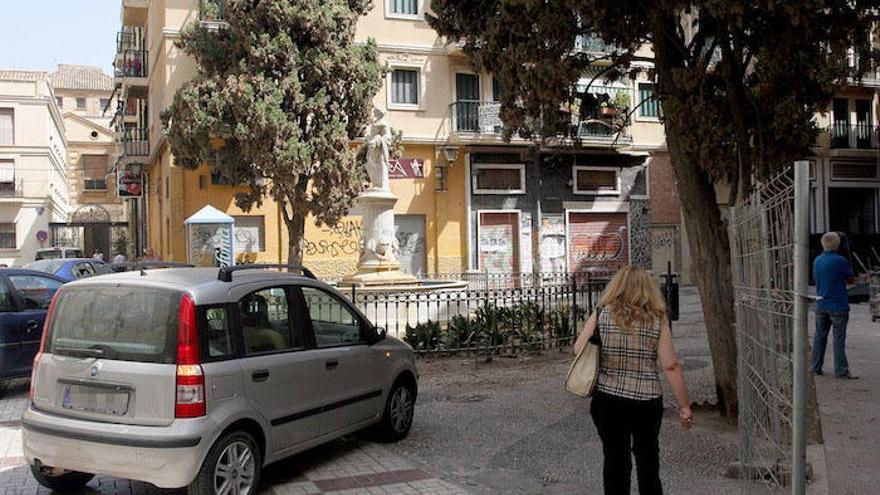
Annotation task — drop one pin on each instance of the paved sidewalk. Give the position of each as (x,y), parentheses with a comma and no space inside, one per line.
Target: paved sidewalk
(850,409)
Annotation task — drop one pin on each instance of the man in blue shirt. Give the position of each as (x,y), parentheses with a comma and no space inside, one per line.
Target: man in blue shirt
(831,271)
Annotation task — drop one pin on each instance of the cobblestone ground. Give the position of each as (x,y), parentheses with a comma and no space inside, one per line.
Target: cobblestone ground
(502,427)
(850,410)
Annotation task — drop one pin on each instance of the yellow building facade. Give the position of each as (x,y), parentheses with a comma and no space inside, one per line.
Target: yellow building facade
(463,192)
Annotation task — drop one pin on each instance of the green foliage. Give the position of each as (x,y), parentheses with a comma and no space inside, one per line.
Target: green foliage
(280,93)
(423,336)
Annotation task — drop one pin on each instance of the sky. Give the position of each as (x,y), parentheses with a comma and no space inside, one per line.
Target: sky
(39,34)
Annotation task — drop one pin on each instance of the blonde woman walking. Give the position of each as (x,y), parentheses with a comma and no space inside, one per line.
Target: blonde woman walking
(627,407)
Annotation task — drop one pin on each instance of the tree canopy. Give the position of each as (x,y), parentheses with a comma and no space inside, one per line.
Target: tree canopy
(739,83)
(281,91)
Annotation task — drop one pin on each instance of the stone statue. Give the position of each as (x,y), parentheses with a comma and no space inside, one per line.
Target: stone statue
(379,153)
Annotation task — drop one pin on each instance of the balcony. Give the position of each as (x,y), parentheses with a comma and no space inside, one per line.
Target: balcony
(589,43)
(597,124)
(211,11)
(134,12)
(858,136)
(871,77)
(135,142)
(11,189)
(130,73)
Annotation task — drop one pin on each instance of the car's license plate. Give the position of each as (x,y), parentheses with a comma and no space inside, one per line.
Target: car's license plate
(102,400)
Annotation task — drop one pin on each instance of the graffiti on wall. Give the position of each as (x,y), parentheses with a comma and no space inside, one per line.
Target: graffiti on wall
(525,232)
(210,244)
(498,243)
(597,240)
(341,239)
(410,234)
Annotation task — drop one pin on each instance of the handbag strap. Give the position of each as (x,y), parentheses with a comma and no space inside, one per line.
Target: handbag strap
(596,338)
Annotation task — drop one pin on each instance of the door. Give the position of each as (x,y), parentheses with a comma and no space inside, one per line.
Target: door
(10,333)
(467,102)
(840,131)
(410,233)
(96,236)
(278,369)
(597,241)
(34,293)
(498,242)
(864,129)
(352,377)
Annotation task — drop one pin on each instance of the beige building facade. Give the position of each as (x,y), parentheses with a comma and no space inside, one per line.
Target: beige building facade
(33,171)
(98,219)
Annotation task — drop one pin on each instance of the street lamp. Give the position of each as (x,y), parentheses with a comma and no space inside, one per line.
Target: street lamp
(450,152)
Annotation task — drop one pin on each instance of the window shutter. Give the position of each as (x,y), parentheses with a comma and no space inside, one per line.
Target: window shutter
(7,171)
(7,128)
(94,166)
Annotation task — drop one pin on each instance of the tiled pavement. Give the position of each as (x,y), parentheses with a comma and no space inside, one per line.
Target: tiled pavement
(349,466)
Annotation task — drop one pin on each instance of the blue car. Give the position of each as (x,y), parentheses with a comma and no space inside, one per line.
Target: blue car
(24,299)
(69,269)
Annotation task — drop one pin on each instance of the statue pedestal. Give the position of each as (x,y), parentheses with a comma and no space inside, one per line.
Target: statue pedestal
(378,265)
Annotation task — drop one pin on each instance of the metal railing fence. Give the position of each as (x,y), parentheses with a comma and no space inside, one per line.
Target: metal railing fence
(769,234)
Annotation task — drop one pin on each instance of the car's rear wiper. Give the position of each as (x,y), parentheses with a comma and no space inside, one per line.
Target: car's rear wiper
(96,351)
(79,351)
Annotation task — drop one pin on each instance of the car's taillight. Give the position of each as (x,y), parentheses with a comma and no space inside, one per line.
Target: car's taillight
(190,400)
(39,355)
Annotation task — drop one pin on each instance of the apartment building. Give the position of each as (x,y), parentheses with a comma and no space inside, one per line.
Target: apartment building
(467,200)
(844,171)
(33,171)
(98,219)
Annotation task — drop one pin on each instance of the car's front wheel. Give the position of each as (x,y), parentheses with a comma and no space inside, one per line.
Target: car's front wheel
(231,467)
(71,481)
(399,410)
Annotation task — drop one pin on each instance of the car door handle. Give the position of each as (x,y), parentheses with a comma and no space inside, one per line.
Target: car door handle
(260,375)
(32,325)
(331,364)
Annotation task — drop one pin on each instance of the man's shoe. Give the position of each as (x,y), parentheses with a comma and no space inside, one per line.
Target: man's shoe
(817,373)
(848,376)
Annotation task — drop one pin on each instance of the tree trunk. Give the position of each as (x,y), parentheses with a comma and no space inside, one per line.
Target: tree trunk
(710,257)
(295,235)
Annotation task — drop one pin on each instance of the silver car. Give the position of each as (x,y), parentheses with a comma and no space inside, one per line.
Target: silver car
(199,377)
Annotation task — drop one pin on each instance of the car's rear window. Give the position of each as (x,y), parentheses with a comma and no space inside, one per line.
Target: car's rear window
(123,323)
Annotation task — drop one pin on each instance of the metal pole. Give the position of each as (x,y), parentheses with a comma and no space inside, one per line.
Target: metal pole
(799,332)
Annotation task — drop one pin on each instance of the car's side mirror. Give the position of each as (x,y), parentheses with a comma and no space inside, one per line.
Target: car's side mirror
(381,333)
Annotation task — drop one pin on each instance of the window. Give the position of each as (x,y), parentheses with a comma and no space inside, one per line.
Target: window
(7,236)
(265,322)
(124,323)
(250,234)
(34,290)
(94,172)
(60,101)
(403,8)
(6,302)
(218,335)
(80,103)
(596,180)
(203,182)
(7,177)
(7,127)
(853,171)
(405,87)
(499,179)
(333,322)
(649,106)
(81,270)
(104,102)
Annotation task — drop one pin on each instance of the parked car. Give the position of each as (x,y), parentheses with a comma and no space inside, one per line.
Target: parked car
(198,377)
(57,252)
(68,268)
(24,300)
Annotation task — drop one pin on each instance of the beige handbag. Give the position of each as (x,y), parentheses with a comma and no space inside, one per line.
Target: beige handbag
(584,371)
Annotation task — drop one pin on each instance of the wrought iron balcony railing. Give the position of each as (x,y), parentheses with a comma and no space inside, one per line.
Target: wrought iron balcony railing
(861,135)
(133,63)
(211,11)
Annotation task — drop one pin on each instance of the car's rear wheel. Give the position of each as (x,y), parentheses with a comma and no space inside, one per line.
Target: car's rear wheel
(232,467)
(399,410)
(70,481)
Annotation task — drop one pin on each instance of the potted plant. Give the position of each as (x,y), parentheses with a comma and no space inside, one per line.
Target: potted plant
(210,10)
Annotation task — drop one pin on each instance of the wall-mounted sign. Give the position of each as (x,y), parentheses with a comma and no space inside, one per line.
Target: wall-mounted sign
(42,235)
(129,184)
(406,168)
